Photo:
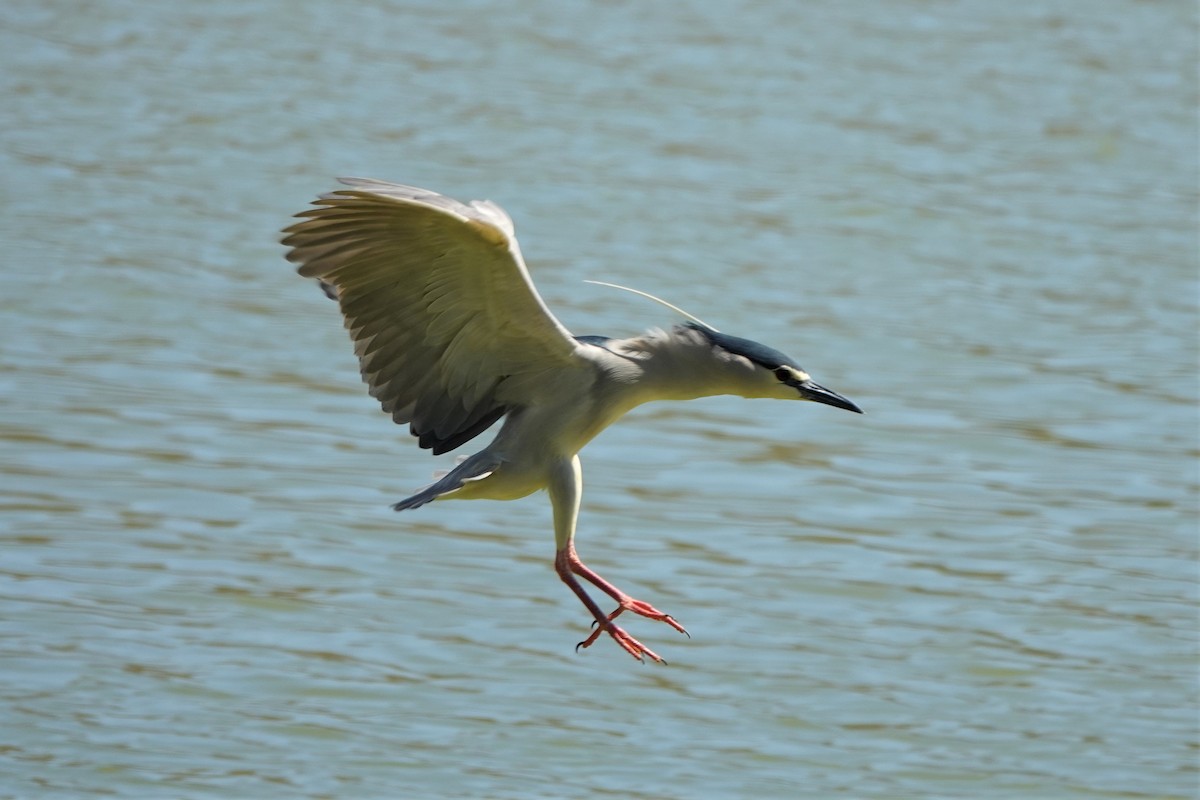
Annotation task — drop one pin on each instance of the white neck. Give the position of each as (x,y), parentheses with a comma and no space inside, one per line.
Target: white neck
(681,365)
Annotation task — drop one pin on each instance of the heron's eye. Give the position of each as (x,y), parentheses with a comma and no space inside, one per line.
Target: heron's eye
(783,374)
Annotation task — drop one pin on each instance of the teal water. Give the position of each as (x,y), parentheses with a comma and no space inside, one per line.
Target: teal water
(976,220)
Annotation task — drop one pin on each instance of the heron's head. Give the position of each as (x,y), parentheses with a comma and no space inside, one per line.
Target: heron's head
(769,373)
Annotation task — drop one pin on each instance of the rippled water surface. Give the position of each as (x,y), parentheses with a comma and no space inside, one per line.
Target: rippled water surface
(976,219)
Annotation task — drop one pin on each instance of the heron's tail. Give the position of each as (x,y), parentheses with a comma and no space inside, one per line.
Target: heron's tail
(417,500)
(472,468)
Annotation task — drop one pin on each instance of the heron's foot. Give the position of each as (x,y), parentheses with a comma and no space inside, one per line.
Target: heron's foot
(627,642)
(568,565)
(639,607)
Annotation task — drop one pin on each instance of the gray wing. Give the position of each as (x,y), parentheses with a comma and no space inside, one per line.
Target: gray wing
(449,331)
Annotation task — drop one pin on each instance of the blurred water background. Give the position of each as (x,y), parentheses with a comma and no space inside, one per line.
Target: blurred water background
(976,219)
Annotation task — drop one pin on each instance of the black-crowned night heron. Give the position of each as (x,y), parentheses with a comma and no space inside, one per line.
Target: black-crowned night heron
(451,336)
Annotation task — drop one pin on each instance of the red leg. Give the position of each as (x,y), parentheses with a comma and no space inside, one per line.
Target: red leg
(567,562)
(624,601)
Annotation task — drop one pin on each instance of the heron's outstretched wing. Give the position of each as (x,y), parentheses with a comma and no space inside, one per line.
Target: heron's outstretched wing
(449,330)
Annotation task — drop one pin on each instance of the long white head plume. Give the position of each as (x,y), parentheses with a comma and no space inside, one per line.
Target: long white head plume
(649,296)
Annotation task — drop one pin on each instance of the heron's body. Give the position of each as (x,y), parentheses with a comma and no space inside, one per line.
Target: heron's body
(609,380)
(451,337)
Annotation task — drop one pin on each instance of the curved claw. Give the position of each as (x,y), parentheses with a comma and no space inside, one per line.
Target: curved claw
(675,624)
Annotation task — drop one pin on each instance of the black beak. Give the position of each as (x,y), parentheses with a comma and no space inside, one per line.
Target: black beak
(819,394)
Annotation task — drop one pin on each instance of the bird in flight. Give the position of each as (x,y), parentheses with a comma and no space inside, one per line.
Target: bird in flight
(451,337)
